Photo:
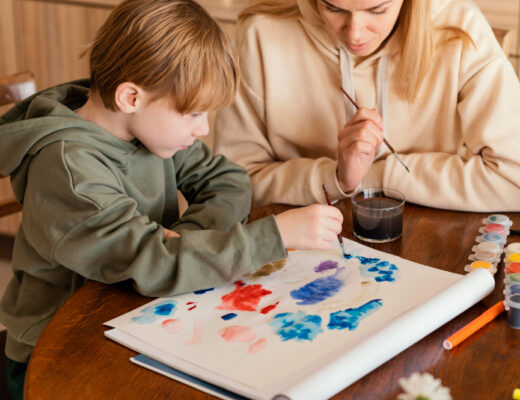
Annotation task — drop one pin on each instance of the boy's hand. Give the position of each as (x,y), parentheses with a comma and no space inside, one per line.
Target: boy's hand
(170,234)
(357,144)
(311,227)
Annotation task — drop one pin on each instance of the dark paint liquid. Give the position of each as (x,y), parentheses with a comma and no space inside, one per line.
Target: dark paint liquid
(513,314)
(378,225)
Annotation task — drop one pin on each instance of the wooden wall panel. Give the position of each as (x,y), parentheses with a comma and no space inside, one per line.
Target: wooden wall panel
(505,14)
(7,44)
(53,37)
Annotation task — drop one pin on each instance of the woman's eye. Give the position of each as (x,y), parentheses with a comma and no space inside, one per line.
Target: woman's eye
(334,10)
(378,12)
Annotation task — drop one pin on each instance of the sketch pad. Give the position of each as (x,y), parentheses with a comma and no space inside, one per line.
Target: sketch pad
(303,330)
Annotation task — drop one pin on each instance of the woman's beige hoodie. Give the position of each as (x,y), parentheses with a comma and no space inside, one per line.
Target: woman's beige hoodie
(460,137)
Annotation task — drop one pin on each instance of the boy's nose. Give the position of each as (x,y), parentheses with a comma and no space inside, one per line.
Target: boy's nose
(203,127)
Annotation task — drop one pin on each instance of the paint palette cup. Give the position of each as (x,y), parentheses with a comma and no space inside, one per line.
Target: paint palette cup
(496,228)
(377,214)
(512,279)
(512,258)
(512,268)
(512,304)
(491,247)
(498,219)
(491,237)
(484,256)
(512,289)
(491,267)
(512,248)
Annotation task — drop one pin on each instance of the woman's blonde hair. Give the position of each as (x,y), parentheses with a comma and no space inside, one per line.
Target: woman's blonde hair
(415,34)
(171,48)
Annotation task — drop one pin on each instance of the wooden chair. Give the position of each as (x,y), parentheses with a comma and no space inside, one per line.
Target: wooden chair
(13,88)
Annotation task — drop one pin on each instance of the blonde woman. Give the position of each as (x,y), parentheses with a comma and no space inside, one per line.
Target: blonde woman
(428,75)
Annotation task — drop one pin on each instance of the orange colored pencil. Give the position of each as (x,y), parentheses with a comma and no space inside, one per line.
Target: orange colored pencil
(469,329)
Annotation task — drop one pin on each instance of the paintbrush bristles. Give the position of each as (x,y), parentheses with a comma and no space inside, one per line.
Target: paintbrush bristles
(384,139)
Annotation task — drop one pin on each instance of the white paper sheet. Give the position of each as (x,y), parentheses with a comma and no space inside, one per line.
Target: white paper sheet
(390,309)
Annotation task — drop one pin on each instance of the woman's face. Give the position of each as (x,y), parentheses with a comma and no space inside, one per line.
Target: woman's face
(362,25)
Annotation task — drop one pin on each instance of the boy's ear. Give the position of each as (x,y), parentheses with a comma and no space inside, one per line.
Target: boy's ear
(129,97)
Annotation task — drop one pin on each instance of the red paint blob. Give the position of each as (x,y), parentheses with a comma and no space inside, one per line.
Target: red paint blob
(243,298)
(268,308)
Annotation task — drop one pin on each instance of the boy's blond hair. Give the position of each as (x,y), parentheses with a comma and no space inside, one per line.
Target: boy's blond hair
(171,48)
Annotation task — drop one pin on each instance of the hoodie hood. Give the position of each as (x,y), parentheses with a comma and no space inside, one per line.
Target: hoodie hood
(47,117)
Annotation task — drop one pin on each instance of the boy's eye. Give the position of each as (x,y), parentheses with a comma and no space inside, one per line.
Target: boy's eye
(196,114)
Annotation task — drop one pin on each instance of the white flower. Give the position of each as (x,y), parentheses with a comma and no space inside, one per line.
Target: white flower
(423,387)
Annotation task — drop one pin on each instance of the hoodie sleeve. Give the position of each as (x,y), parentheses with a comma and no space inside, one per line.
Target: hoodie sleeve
(82,219)
(483,174)
(218,191)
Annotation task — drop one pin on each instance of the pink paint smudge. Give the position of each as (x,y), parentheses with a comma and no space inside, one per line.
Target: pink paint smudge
(197,334)
(172,325)
(237,333)
(257,346)
(244,297)
(268,308)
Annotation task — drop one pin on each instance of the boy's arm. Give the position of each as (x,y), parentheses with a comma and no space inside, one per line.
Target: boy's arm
(218,191)
(77,217)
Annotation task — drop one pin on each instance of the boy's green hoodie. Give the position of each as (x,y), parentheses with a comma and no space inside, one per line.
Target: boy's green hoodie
(94,207)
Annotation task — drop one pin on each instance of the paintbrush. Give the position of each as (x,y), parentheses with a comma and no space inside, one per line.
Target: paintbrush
(384,140)
(340,238)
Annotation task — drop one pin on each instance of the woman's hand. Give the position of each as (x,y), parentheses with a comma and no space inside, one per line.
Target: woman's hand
(358,142)
(311,227)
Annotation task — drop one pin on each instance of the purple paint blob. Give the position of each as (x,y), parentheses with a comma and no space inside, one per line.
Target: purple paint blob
(326,265)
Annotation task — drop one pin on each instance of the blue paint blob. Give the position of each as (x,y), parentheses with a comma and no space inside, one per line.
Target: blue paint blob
(326,265)
(380,271)
(229,316)
(351,317)
(153,313)
(347,256)
(296,326)
(367,260)
(203,291)
(318,290)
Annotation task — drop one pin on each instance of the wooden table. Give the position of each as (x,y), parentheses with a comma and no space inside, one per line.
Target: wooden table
(73,360)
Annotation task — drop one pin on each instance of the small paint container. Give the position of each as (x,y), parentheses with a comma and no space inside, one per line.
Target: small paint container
(512,268)
(512,305)
(512,279)
(492,247)
(512,258)
(512,248)
(481,264)
(491,237)
(512,289)
(484,256)
(498,219)
(496,228)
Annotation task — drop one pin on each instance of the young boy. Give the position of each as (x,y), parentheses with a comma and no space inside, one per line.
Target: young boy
(97,165)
